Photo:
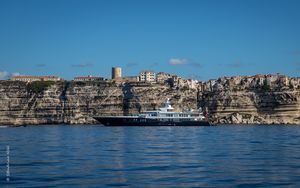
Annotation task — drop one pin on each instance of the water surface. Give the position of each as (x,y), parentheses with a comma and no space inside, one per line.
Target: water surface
(95,156)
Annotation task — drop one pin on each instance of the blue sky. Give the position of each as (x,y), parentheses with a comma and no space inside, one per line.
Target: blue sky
(200,39)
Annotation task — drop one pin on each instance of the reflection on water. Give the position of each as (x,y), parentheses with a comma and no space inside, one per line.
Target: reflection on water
(223,156)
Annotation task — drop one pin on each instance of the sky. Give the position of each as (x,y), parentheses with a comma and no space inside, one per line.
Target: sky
(199,39)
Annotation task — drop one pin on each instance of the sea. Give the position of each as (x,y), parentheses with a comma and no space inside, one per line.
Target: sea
(97,156)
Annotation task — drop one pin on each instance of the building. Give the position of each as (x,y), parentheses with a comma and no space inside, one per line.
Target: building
(259,80)
(88,78)
(162,77)
(36,78)
(294,82)
(272,79)
(116,73)
(210,84)
(147,76)
(283,81)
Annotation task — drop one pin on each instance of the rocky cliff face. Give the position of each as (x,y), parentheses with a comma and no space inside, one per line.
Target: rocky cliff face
(77,102)
(250,107)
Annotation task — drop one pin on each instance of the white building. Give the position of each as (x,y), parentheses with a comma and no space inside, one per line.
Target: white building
(147,76)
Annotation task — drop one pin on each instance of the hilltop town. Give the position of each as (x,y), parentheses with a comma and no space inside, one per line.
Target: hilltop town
(274,82)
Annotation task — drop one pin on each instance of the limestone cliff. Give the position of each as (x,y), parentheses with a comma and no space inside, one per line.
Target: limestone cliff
(77,102)
(253,107)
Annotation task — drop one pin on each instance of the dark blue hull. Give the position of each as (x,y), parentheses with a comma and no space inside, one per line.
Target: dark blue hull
(131,121)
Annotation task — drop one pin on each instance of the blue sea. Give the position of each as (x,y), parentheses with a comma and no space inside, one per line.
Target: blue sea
(96,156)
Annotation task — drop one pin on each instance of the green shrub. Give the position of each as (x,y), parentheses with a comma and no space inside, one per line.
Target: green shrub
(235,89)
(266,87)
(38,86)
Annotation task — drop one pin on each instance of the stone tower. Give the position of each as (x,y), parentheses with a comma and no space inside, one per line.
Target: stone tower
(116,73)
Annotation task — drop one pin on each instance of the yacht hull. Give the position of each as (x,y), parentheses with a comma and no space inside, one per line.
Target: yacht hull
(137,121)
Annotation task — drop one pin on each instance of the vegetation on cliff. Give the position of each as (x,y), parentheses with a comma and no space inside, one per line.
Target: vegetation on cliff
(265,87)
(38,86)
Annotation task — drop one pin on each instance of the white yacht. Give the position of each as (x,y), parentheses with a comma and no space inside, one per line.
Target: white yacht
(165,116)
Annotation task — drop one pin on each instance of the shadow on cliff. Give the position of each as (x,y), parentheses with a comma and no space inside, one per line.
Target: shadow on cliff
(270,102)
(64,99)
(128,98)
(208,100)
(265,102)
